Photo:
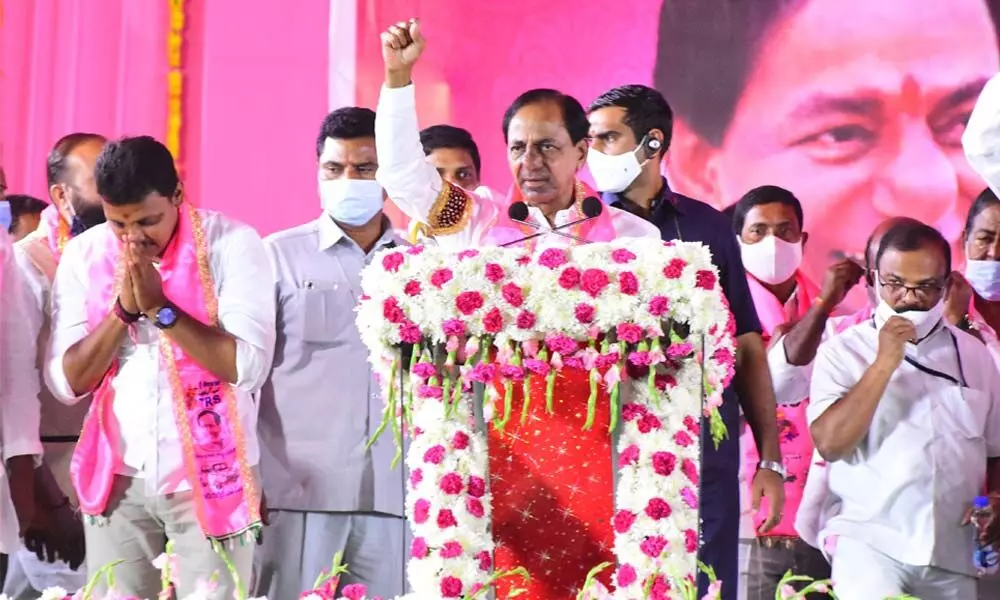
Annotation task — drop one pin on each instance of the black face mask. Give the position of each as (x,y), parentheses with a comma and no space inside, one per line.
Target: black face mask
(87,216)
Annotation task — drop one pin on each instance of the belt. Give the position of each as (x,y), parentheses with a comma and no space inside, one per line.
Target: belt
(779,541)
(60,439)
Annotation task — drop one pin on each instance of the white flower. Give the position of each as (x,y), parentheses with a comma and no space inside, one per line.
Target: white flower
(53,593)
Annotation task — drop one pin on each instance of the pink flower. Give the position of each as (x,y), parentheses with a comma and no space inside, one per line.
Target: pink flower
(415,250)
(494,273)
(693,425)
(434,455)
(569,278)
(663,382)
(658,306)
(683,439)
(485,560)
(584,313)
(682,350)
(561,344)
(536,366)
(690,540)
(523,259)
(464,254)
(553,258)
(674,269)
(477,487)
(628,283)
(493,321)
(690,470)
(421,511)
(657,509)
(416,476)
(623,520)
(392,261)
(648,422)
(525,319)
(451,550)
(626,575)
(633,410)
(451,484)
(424,370)
(430,391)
(513,294)
(653,546)
(659,589)
(629,333)
(593,282)
(354,591)
(664,463)
(446,519)
(640,359)
(440,277)
(788,592)
(391,311)
(629,456)
(705,280)
(723,356)
(475,507)
(412,288)
(512,372)
(608,360)
(483,373)
(469,302)
(454,327)
(418,548)
(451,587)
(622,256)
(410,333)
(460,441)
(689,498)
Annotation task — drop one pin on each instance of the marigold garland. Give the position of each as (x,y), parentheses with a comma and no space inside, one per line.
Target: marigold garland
(175,79)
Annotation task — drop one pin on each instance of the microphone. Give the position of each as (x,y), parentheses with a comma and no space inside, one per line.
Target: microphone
(591,207)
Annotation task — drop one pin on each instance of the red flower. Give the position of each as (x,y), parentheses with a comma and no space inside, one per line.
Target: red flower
(674,269)
(622,256)
(690,470)
(628,283)
(421,511)
(451,484)
(477,487)
(513,294)
(392,261)
(633,410)
(464,254)
(523,259)
(553,258)
(418,548)
(493,321)
(391,310)
(653,546)
(593,281)
(412,288)
(441,277)
(446,519)
(692,425)
(705,280)
(569,278)
(691,541)
(584,313)
(469,302)
(658,306)
(648,422)
(683,439)
(525,319)
(664,463)
(657,509)
(453,327)
(475,507)
(485,560)
(451,587)
(494,273)
(460,441)
(629,456)
(623,520)
(434,455)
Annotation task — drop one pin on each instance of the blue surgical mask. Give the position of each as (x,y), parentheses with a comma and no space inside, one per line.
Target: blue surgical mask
(352,202)
(984,277)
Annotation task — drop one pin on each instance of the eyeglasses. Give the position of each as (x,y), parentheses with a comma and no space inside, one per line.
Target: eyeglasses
(926,291)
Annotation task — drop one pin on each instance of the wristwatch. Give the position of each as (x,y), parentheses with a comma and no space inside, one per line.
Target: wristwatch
(166,317)
(125,316)
(775,466)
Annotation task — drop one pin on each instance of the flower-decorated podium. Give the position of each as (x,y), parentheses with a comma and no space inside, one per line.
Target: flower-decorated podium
(581,460)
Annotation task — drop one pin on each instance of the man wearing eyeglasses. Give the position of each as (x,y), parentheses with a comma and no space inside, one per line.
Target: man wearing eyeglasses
(905,409)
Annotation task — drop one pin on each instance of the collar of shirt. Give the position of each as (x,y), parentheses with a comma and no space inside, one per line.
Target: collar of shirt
(666,200)
(330,234)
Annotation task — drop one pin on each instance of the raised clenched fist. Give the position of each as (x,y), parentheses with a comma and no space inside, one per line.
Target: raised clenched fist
(402,45)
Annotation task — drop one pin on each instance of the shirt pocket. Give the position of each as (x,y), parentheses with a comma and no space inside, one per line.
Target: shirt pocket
(327,310)
(964,410)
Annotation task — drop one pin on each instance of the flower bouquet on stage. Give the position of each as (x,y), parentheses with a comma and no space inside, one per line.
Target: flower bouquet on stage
(552,405)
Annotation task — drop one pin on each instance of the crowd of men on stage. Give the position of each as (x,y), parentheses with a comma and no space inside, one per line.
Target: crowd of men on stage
(145,349)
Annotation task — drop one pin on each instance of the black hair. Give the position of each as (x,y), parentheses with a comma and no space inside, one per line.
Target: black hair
(449,136)
(909,235)
(347,123)
(22,204)
(730,214)
(215,415)
(765,194)
(645,109)
(984,200)
(131,168)
(574,117)
(707,50)
(56,163)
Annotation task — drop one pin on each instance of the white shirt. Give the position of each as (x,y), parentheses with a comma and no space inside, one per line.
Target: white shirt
(905,489)
(143,403)
(415,186)
(981,140)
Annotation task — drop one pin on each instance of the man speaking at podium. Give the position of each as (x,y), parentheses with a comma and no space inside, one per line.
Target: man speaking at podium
(555,524)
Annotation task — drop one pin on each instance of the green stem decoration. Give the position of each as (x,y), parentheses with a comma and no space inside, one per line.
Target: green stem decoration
(526,389)
(241,592)
(520,571)
(336,570)
(591,578)
(414,358)
(508,392)
(164,573)
(616,389)
(592,400)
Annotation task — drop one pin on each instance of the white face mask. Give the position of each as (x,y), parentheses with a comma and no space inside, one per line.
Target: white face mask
(984,277)
(771,260)
(352,202)
(924,321)
(613,173)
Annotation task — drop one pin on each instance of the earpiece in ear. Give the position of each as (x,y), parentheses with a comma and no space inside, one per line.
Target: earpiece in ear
(652,147)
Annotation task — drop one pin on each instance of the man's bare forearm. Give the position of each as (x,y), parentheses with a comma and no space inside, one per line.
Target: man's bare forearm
(756,393)
(839,430)
(802,340)
(210,347)
(86,361)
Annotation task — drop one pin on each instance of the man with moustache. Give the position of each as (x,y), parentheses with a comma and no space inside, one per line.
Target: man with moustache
(76,207)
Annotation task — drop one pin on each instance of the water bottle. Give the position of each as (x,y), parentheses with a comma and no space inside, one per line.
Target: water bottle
(985,556)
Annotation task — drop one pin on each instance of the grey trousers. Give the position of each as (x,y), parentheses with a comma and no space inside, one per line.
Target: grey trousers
(137,532)
(298,546)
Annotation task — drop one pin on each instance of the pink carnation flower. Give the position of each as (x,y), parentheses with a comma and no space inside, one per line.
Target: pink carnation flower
(653,546)
(683,439)
(658,306)
(391,311)
(477,486)
(410,333)
(434,455)
(354,591)
(454,327)
(561,344)
(451,484)
(553,258)
(690,470)
(421,511)
(460,441)
(626,575)
(690,541)
(446,519)
(623,520)
(485,560)
(412,288)
(536,366)
(513,294)
(658,508)
(629,456)
(464,254)
(424,370)
(392,261)
(525,319)
(451,587)
(569,278)
(633,410)
(584,313)
(451,550)
(475,507)
(468,302)
(674,269)
(418,548)
(416,476)
(705,280)
(664,463)
(628,283)
(493,321)
(648,422)
(689,498)
(415,250)
(622,256)
(593,282)
(630,333)
(494,273)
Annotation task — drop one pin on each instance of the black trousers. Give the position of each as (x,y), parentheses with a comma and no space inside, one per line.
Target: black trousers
(772,557)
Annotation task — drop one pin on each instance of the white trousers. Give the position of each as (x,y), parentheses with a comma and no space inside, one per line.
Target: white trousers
(862,573)
(27,576)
